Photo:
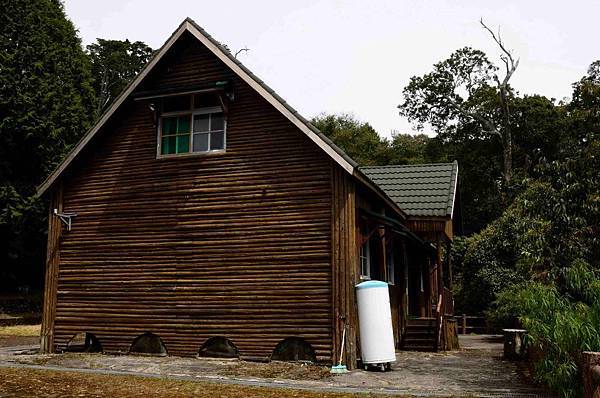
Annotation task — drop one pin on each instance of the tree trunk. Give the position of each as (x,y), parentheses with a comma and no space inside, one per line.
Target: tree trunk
(507,156)
(506,137)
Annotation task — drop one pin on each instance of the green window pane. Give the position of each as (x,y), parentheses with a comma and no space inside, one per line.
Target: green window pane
(168,145)
(183,143)
(169,125)
(183,124)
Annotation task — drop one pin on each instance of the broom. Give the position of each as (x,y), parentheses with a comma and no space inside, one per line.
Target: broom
(339,368)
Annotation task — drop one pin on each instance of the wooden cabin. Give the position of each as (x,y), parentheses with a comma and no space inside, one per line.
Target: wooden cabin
(203,215)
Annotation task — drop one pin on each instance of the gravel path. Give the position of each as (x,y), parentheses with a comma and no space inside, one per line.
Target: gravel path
(476,370)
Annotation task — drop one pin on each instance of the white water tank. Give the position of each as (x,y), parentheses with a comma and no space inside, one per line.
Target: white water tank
(375,323)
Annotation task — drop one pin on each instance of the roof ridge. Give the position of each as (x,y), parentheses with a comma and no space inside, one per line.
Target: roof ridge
(408,165)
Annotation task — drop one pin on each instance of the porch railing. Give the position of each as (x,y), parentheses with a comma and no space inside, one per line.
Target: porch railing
(474,324)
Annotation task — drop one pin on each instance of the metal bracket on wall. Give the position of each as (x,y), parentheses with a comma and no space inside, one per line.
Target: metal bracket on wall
(66,218)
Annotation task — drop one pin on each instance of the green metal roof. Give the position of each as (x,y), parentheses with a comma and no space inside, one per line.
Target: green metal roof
(419,190)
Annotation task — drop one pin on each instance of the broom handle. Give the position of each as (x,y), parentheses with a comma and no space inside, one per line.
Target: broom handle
(343,341)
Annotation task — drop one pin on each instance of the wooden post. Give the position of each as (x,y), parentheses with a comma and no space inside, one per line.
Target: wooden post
(51,280)
(439,260)
(405,280)
(464,324)
(449,262)
(345,241)
(591,374)
(514,347)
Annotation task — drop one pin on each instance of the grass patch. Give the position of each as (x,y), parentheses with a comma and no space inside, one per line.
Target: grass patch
(20,330)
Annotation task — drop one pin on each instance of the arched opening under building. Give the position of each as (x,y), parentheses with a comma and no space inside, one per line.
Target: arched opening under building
(149,344)
(294,349)
(218,347)
(84,342)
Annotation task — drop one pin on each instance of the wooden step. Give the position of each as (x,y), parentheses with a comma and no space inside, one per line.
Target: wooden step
(421,321)
(419,335)
(425,348)
(420,329)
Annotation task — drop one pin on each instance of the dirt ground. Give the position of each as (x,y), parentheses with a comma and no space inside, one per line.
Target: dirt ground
(476,370)
(11,341)
(47,383)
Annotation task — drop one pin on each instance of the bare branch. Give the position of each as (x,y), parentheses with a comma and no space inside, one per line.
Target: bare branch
(510,63)
(498,40)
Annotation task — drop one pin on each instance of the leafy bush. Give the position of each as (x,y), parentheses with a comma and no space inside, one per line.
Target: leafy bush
(561,325)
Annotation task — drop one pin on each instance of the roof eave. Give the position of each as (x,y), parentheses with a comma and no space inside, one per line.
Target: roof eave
(454,189)
(379,192)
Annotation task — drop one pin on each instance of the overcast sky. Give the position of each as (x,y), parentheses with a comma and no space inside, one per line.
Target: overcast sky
(356,56)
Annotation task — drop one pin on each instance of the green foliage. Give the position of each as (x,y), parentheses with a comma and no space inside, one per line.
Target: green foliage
(551,224)
(114,64)
(46,102)
(560,327)
(358,139)
(409,149)
(538,127)
(487,262)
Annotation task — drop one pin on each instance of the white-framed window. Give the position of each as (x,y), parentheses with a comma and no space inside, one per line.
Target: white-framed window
(389,266)
(191,124)
(365,260)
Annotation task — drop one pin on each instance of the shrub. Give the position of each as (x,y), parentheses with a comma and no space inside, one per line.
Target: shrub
(562,322)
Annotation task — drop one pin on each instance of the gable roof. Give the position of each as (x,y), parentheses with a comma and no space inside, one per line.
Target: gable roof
(419,190)
(236,66)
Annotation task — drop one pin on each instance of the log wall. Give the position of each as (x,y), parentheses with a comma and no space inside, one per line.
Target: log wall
(344,266)
(236,244)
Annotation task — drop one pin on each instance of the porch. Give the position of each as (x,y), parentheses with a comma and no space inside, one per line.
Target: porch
(421,299)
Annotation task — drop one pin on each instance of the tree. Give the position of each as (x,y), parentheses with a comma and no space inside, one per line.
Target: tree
(114,64)
(409,149)
(358,139)
(465,95)
(46,99)
(584,108)
(540,132)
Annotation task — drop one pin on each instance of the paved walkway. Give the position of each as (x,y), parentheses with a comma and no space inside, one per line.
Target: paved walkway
(476,370)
